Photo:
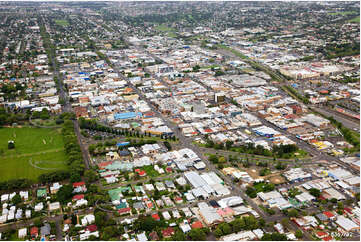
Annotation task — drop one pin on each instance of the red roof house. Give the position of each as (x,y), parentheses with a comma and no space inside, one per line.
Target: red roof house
(328,238)
(197,225)
(178,199)
(124,210)
(168,232)
(34,232)
(92,228)
(321,234)
(78,197)
(329,215)
(78,184)
(156,217)
(149,204)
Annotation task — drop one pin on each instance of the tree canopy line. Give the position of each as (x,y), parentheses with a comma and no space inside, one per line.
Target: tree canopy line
(340,50)
(278,151)
(295,93)
(92,124)
(350,136)
(237,225)
(11,91)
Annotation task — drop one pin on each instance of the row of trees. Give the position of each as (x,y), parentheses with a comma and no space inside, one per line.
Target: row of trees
(295,93)
(53,176)
(8,118)
(92,124)
(279,151)
(72,148)
(237,225)
(340,50)
(15,184)
(351,137)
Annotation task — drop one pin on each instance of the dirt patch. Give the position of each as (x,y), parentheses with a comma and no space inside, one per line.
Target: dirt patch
(253,172)
(276,179)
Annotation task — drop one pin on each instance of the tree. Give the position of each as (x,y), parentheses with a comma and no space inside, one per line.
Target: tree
(64,193)
(38,223)
(147,223)
(229,144)
(340,205)
(100,218)
(108,233)
(179,236)
(75,177)
(251,192)
(292,213)
(218,232)
(167,145)
(285,221)
(90,176)
(299,234)
(226,228)
(213,158)
(237,225)
(222,159)
(197,234)
(274,237)
(16,199)
(315,192)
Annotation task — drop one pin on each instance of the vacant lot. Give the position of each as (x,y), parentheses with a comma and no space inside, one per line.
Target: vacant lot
(37,151)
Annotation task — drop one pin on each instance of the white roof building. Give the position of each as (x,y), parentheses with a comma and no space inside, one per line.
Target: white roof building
(230,201)
(346,224)
(210,215)
(305,197)
(22,233)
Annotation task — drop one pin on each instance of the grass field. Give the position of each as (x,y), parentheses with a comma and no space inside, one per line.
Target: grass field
(37,151)
(170,31)
(61,22)
(342,13)
(164,28)
(355,20)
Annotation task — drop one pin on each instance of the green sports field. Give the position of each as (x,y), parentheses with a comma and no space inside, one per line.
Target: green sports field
(355,20)
(62,22)
(37,151)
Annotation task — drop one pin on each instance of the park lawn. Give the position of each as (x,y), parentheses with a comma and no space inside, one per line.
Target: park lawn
(172,34)
(41,146)
(20,167)
(164,28)
(342,13)
(30,140)
(170,31)
(62,22)
(355,20)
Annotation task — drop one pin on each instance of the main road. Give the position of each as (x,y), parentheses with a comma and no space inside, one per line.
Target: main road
(66,107)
